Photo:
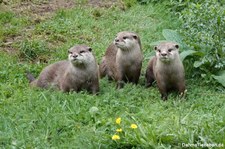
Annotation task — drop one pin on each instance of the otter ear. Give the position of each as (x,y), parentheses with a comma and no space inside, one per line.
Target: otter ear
(177,46)
(89,49)
(155,48)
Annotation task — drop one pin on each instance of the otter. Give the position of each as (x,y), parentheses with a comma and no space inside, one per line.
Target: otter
(123,59)
(79,72)
(167,69)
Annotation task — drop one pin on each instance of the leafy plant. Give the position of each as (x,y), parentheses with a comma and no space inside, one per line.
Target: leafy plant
(200,58)
(129,135)
(204,36)
(174,5)
(171,35)
(220,77)
(203,29)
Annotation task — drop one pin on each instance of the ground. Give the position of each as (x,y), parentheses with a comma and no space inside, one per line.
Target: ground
(38,11)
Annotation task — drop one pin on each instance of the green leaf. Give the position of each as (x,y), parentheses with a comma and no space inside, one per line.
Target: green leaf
(172,35)
(218,20)
(197,64)
(157,42)
(220,78)
(184,54)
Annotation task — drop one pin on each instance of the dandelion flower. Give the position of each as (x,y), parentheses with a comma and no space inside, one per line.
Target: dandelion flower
(133,126)
(118,120)
(119,130)
(115,137)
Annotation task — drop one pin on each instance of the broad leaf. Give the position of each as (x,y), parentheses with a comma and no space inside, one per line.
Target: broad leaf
(184,54)
(157,42)
(197,64)
(172,35)
(220,78)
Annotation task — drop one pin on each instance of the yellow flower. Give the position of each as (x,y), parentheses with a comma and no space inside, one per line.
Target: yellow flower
(115,137)
(118,120)
(119,130)
(133,126)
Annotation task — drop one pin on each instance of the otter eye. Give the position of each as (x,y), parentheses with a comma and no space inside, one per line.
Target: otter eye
(125,37)
(159,51)
(90,49)
(69,52)
(82,51)
(135,37)
(169,50)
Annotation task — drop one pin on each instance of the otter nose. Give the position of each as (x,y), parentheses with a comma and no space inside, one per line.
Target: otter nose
(163,54)
(75,55)
(117,40)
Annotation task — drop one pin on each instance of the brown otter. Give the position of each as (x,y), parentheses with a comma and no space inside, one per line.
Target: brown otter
(79,72)
(123,59)
(167,69)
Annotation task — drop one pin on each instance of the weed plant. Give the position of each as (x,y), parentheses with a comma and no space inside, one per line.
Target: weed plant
(203,30)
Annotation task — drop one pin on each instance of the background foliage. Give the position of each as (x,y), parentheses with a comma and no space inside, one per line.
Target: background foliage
(203,30)
(202,36)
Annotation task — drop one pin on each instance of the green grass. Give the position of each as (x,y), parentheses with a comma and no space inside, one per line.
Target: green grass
(37,118)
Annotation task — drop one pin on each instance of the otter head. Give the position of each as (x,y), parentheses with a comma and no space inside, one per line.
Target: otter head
(127,40)
(167,51)
(80,55)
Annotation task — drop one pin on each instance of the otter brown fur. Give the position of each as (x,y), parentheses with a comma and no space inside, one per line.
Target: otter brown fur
(167,69)
(123,59)
(79,72)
